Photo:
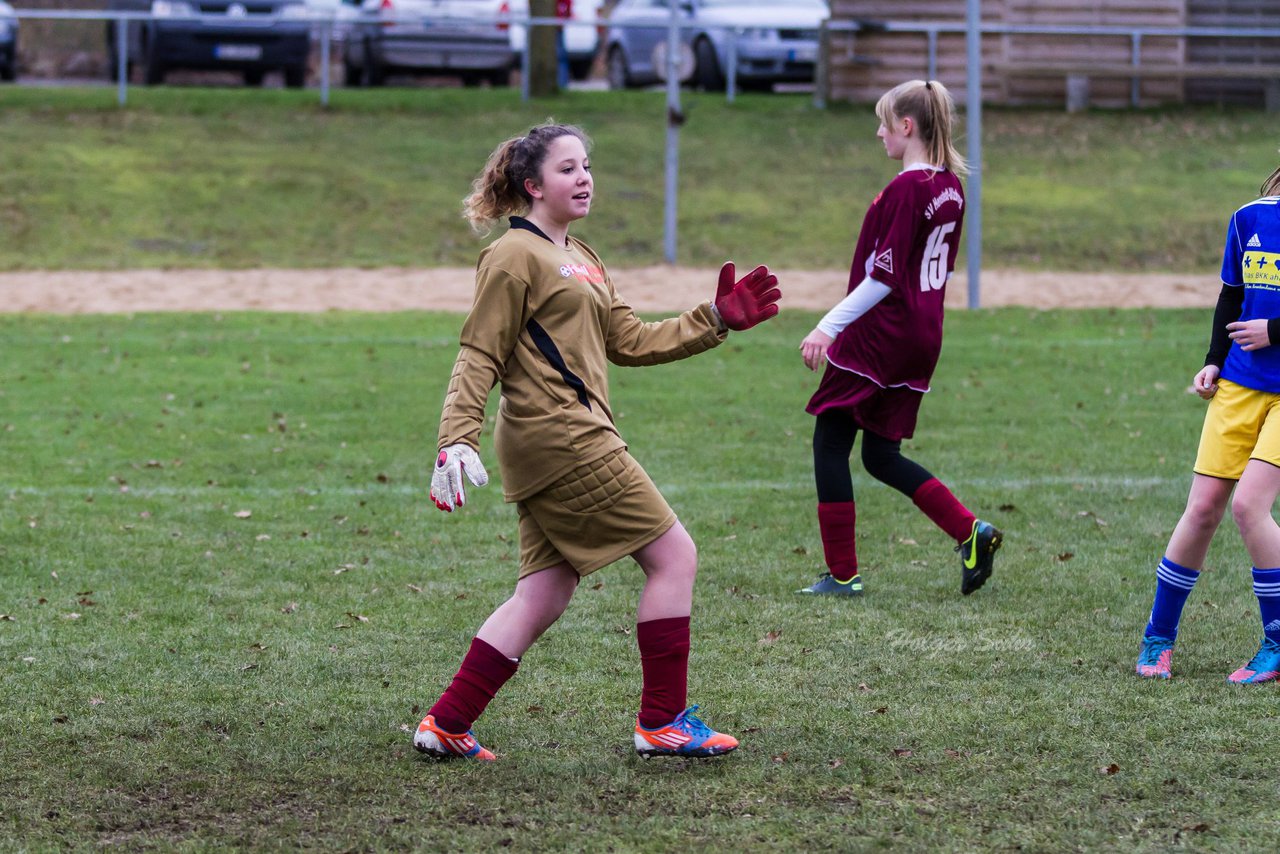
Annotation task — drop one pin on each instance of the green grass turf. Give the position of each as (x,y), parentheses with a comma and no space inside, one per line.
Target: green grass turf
(228,599)
(188,177)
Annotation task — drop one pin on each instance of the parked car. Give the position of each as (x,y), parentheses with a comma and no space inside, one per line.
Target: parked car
(249,36)
(581,40)
(464,37)
(8,42)
(776,41)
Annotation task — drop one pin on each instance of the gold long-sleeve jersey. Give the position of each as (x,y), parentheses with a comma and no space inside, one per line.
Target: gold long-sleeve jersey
(545,323)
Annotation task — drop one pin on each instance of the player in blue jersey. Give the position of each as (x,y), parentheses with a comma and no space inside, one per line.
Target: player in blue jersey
(1239,445)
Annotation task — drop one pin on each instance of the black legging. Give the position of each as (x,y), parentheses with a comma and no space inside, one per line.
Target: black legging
(833,436)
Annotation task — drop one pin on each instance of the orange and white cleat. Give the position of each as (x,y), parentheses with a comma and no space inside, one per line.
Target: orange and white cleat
(433,741)
(685,736)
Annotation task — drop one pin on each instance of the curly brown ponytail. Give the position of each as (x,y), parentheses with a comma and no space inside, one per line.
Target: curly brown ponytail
(499,188)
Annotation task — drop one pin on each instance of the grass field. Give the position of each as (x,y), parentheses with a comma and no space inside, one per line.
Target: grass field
(245,178)
(227,599)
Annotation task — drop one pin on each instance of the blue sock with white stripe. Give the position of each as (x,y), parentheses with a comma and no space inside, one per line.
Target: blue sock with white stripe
(1173,586)
(1266,586)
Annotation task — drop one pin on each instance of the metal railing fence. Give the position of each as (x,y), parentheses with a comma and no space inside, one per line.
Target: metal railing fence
(931,31)
(330,26)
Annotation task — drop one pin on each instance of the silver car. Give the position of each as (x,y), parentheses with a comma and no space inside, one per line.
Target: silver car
(468,38)
(773,42)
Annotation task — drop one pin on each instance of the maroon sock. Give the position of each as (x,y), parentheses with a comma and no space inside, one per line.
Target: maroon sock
(664,661)
(836,522)
(484,670)
(942,508)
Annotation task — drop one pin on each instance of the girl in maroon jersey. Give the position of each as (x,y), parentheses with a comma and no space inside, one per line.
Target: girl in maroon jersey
(881,342)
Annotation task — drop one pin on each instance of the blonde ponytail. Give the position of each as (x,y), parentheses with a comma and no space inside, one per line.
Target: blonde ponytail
(930,106)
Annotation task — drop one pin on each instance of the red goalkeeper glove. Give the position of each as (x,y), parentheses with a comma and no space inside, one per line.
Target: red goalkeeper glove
(750,300)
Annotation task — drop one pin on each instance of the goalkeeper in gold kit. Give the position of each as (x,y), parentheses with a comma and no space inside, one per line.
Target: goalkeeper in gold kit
(545,324)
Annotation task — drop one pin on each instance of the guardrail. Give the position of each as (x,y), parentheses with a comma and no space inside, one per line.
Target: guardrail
(328,25)
(331,25)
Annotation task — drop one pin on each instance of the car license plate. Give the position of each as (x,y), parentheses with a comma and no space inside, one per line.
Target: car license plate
(804,54)
(238,52)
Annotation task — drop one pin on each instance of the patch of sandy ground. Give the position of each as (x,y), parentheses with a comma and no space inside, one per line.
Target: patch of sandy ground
(659,288)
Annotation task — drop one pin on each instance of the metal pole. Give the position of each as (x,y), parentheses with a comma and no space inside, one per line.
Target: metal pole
(1135,85)
(731,80)
(933,54)
(525,64)
(821,72)
(674,120)
(974,122)
(122,60)
(326,35)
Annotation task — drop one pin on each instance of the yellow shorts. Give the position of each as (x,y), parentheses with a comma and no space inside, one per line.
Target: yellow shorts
(596,514)
(1241,425)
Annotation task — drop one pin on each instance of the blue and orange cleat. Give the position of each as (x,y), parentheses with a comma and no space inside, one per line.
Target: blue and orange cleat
(685,736)
(1155,659)
(977,555)
(435,742)
(1263,667)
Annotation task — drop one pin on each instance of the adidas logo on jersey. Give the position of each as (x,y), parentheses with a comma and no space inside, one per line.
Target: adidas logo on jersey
(1272,626)
(1254,242)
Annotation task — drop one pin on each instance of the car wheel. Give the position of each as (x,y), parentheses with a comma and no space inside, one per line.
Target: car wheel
(153,69)
(500,79)
(616,69)
(371,74)
(8,72)
(254,78)
(581,69)
(351,74)
(295,76)
(707,73)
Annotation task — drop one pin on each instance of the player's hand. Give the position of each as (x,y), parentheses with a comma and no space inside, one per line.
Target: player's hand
(446,479)
(750,300)
(1250,334)
(1205,383)
(814,349)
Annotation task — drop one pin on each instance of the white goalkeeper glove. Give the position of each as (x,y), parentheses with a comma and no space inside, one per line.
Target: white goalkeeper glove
(446,479)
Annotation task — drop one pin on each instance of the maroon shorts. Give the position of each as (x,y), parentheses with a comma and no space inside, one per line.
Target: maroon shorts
(887,412)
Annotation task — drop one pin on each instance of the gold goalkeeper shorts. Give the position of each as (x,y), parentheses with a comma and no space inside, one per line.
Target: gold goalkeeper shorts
(596,514)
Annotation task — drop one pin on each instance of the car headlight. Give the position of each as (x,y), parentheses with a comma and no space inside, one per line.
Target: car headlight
(294,11)
(172,9)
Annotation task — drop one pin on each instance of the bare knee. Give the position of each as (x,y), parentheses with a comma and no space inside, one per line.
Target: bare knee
(1246,514)
(1205,509)
(673,551)
(545,595)
(1202,521)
